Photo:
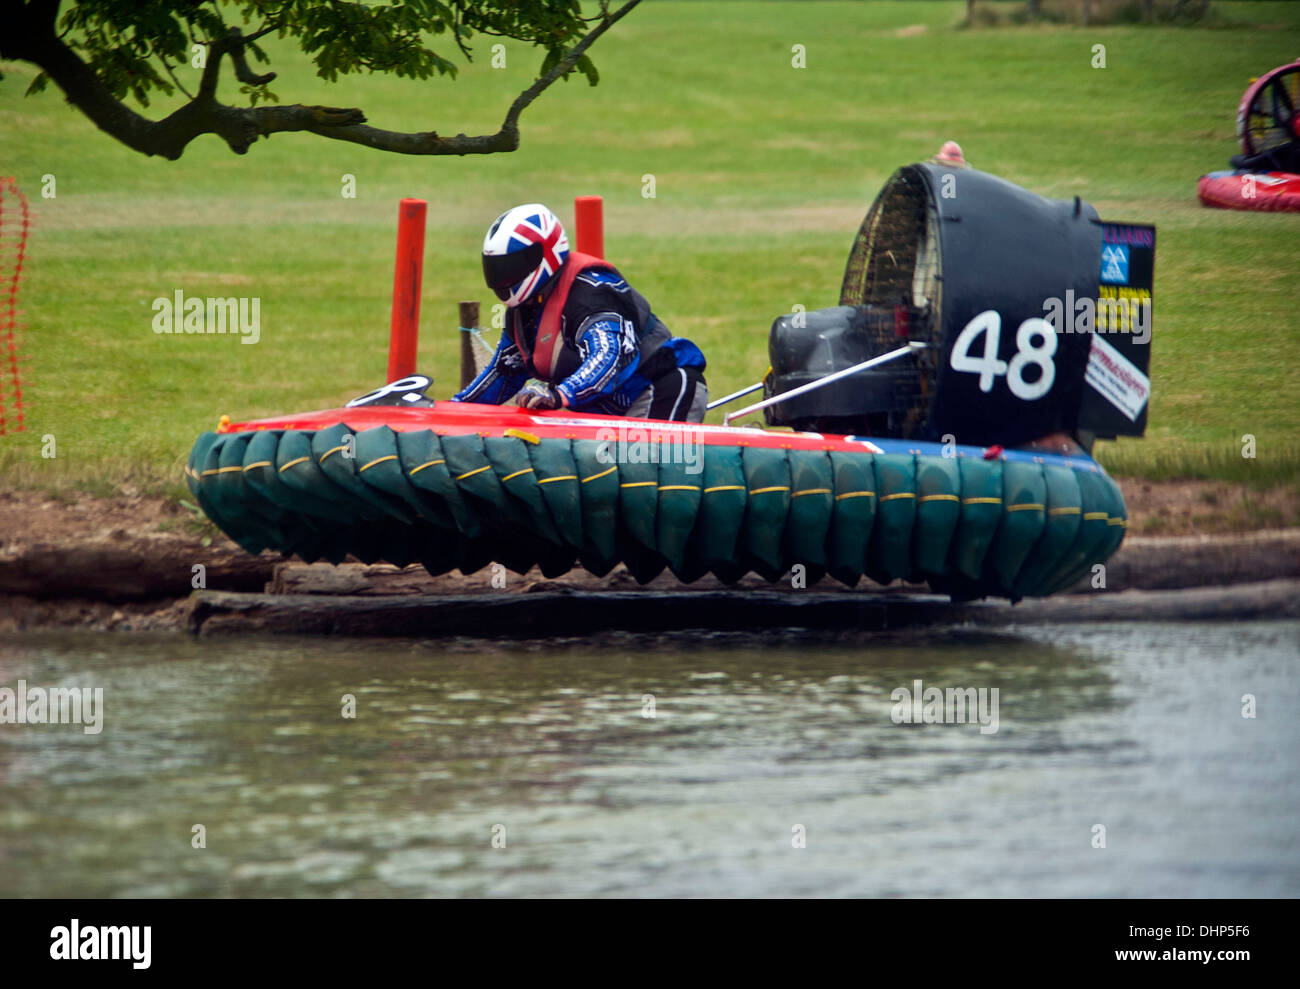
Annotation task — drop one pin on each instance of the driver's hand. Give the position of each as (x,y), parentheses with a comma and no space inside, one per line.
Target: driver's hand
(539,396)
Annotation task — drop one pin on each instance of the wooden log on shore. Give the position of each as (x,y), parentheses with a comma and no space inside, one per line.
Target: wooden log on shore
(134,567)
(552,613)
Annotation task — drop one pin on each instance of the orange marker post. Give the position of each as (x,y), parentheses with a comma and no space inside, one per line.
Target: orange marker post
(589,225)
(404,336)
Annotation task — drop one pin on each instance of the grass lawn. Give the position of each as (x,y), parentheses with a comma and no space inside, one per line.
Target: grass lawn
(762,173)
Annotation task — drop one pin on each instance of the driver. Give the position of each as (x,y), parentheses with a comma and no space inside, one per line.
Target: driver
(576,325)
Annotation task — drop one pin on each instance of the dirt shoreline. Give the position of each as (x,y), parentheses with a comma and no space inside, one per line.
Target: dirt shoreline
(141,564)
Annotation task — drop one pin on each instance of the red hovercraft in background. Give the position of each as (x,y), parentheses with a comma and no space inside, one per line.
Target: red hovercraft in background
(1266,175)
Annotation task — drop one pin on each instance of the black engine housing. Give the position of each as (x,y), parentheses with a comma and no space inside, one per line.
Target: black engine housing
(942,252)
(807,346)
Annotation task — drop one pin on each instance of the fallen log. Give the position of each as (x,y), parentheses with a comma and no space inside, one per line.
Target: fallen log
(566,613)
(133,567)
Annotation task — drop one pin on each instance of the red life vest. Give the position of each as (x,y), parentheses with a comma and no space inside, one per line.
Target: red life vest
(545,356)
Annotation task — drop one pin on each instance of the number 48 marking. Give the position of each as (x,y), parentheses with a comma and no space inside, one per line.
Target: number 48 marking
(989,367)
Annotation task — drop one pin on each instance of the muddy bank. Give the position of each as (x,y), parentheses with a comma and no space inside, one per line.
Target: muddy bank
(559,612)
(142,564)
(1189,577)
(120,566)
(135,548)
(116,550)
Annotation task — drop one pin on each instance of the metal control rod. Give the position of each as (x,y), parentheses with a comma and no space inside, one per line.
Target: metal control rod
(735,395)
(802,389)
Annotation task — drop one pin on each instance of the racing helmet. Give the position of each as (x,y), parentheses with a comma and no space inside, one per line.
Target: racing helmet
(523,250)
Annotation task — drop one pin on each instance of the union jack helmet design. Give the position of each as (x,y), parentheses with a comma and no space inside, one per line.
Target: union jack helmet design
(523,250)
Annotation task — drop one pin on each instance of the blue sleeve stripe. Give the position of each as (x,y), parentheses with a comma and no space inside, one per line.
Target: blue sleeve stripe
(491,387)
(598,278)
(601,345)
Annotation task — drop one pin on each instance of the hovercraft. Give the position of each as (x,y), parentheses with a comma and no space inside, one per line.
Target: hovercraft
(1266,176)
(893,421)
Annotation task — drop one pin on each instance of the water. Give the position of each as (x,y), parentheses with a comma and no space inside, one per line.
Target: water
(1135,727)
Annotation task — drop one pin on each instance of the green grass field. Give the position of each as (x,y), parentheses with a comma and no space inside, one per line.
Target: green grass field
(762,173)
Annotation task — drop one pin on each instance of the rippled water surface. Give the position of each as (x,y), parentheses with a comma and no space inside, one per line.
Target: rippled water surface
(754,748)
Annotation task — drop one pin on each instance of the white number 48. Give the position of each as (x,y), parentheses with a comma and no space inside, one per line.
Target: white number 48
(989,367)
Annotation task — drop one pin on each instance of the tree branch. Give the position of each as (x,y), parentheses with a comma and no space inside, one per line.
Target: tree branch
(168,66)
(235,43)
(35,41)
(262,32)
(211,72)
(429,143)
(511,124)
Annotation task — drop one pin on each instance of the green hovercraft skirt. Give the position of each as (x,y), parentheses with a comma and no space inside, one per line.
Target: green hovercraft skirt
(460,486)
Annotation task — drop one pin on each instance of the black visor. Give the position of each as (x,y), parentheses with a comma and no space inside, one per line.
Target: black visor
(501,271)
